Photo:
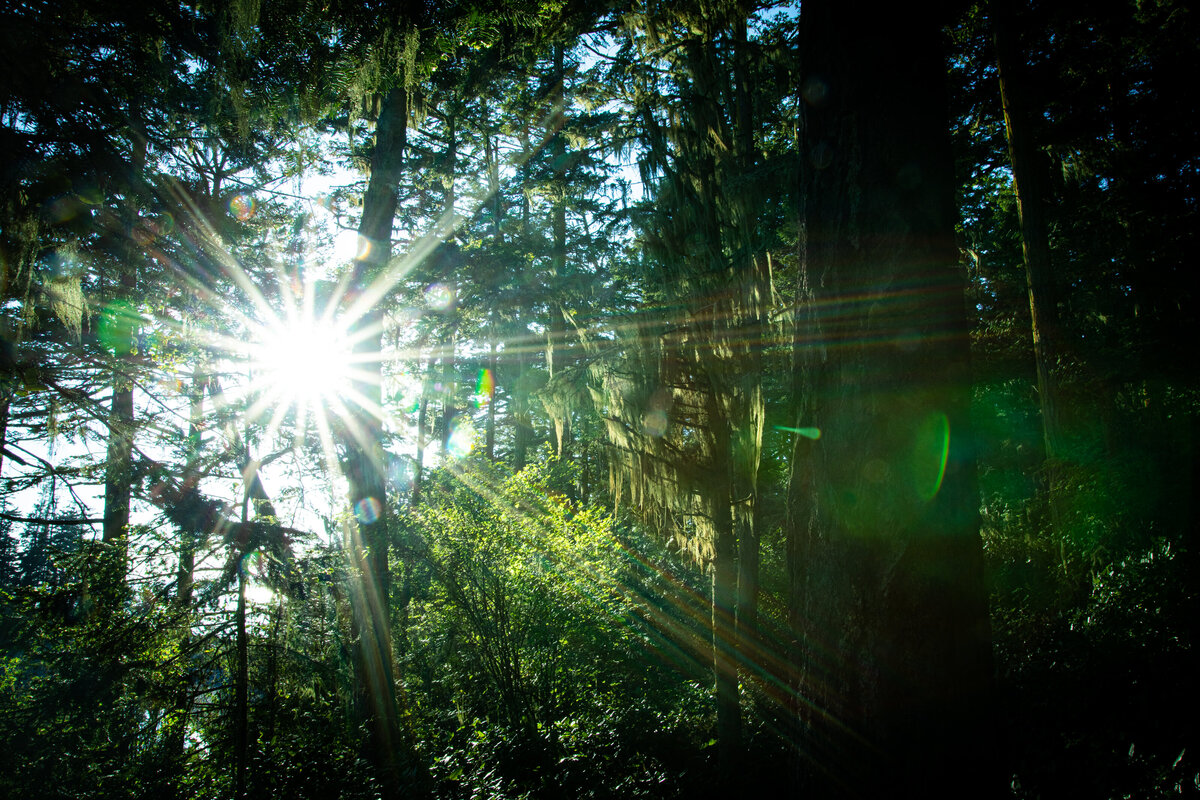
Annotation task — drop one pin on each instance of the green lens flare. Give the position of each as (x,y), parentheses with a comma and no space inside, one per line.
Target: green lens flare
(807,433)
(931,451)
(118,328)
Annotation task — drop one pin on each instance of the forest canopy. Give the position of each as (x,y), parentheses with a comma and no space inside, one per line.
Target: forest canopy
(632,399)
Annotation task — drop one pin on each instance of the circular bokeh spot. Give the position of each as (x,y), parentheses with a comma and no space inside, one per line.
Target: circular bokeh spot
(655,423)
(439,297)
(368,510)
(242,206)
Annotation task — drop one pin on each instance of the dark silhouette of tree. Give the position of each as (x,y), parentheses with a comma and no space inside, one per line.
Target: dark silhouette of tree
(888,603)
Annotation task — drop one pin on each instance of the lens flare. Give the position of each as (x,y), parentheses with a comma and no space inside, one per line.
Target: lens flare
(655,423)
(807,433)
(439,297)
(118,328)
(362,248)
(485,388)
(462,437)
(243,206)
(367,510)
(304,361)
(931,452)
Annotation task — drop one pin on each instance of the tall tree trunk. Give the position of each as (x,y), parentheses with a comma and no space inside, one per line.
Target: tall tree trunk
(241,691)
(391,749)
(556,325)
(490,386)
(118,468)
(492,159)
(754,270)
(885,560)
(422,423)
(5,401)
(1030,173)
(185,575)
(188,543)
(449,382)
(522,418)
(449,252)
(724,599)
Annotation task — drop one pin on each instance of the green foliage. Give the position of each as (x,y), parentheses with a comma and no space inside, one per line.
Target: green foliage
(528,634)
(84,684)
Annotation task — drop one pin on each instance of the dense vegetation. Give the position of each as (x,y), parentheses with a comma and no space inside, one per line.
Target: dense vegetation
(717,398)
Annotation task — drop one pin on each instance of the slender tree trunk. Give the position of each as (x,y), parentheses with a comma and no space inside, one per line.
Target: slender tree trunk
(118,468)
(556,325)
(885,561)
(5,400)
(724,636)
(185,574)
(492,159)
(422,423)
(8,363)
(522,418)
(1029,184)
(241,705)
(450,264)
(490,385)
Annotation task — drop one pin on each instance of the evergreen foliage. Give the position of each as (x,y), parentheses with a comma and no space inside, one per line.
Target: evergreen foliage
(646,438)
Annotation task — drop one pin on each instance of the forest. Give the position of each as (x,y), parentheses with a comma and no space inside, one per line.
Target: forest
(605,399)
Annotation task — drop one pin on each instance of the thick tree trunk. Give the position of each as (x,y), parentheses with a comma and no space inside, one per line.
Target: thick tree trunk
(753,318)
(118,469)
(1029,183)
(887,597)
(391,750)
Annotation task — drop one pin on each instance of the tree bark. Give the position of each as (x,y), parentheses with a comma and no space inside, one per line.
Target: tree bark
(422,423)
(724,637)
(754,273)
(556,325)
(118,467)
(1029,185)
(490,434)
(391,750)
(241,689)
(449,253)
(887,600)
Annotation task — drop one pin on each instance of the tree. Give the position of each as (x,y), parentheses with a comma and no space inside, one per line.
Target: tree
(1029,185)
(888,606)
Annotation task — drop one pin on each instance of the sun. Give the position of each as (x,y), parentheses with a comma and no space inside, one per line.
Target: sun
(303,361)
